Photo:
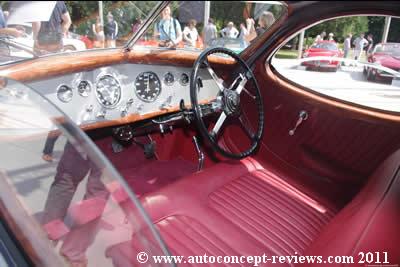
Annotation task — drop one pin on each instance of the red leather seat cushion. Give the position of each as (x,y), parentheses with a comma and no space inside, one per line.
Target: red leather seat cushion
(237,208)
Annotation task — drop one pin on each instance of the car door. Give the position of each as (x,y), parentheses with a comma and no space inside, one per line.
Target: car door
(335,125)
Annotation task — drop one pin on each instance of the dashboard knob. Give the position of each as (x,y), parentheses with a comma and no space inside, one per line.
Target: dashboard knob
(89,108)
(101,114)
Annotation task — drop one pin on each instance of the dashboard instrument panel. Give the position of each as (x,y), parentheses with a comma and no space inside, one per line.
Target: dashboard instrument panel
(122,93)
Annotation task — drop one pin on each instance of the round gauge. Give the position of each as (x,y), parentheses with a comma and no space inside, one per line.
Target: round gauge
(148,86)
(84,88)
(169,78)
(184,80)
(108,91)
(64,93)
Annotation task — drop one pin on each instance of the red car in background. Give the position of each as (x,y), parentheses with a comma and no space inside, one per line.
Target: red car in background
(322,49)
(386,55)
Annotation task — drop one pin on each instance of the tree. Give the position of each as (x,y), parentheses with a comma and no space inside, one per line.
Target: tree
(340,27)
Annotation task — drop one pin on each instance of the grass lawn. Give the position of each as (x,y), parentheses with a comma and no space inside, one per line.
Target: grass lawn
(287,54)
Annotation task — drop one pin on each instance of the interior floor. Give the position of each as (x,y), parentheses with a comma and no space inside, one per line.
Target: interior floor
(145,175)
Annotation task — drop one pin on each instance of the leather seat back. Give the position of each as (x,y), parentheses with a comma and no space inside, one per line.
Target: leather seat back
(369,223)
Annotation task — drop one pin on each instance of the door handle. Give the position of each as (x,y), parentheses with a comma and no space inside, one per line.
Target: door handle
(303,116)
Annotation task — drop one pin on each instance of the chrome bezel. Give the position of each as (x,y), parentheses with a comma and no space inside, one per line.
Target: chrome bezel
(173,77)
(90,86)
(180,79)
(58,91)
(136,93)
(101,76)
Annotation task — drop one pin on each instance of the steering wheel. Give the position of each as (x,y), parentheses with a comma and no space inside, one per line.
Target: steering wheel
(227,103)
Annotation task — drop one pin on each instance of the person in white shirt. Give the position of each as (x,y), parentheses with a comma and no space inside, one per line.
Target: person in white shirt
(359,43)
(320,37)
(330,37)
(347,46)
(190,33)
(230,31)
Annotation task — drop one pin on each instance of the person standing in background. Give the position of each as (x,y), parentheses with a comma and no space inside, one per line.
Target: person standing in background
(111,31)
(48,35)
(190,34)
(330,36)
(230,31)
(209,32)
(370,46)
(346,46)
(98,31)
(360,43)
(265,21)
(168,30)
(320,37)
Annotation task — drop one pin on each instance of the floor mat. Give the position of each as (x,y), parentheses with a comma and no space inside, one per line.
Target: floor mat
(130,157)
(157,174)
(145,175)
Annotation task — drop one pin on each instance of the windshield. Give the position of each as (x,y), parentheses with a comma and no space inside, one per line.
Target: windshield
(197,25)
(76,207)
(327,46)
(30,29)
(389,49)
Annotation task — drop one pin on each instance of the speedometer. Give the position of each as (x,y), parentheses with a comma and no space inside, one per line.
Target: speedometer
(108,91)
(148,86)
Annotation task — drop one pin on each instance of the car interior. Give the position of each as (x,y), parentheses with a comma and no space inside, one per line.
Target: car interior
(232,158)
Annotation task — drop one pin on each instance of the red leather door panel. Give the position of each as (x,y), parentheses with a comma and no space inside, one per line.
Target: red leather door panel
(334,143)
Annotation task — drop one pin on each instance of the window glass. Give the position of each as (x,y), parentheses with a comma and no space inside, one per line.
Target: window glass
(31,29)
(85,209)
(196,25)
(355,58)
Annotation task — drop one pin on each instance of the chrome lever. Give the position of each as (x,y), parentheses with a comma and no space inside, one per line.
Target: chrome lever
(303,115)
(200,154)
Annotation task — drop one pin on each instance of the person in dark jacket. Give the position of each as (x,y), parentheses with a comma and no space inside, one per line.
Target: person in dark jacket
(111,31)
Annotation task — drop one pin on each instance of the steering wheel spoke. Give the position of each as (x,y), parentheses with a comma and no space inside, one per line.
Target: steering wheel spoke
(228,105)
(218,125)
(218,81)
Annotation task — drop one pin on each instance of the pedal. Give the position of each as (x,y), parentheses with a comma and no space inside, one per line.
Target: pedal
(149,150)
(116,147)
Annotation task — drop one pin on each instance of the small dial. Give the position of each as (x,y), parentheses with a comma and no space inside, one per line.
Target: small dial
(148,86)
(84,88)
(184,79)
(64,93)
(169,78)
(108,91)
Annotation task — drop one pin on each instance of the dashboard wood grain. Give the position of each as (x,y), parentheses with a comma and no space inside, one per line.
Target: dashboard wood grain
(66,63)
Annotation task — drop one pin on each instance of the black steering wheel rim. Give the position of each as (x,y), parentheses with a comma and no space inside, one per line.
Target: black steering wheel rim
(202,127)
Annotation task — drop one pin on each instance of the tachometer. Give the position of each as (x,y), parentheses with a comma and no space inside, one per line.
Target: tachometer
(108,91)
(148,86)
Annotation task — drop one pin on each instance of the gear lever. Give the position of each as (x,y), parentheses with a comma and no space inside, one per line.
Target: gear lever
(200,153)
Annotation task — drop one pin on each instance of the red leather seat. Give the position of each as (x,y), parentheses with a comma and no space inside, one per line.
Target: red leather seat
(242,208)
(238,209)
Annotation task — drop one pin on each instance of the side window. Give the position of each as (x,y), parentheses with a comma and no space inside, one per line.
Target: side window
(355,58)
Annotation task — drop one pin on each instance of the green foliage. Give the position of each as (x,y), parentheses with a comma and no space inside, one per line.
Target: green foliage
(224,11)
(340,27)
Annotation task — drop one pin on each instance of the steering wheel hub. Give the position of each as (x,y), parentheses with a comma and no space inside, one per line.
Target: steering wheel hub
(231,103)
